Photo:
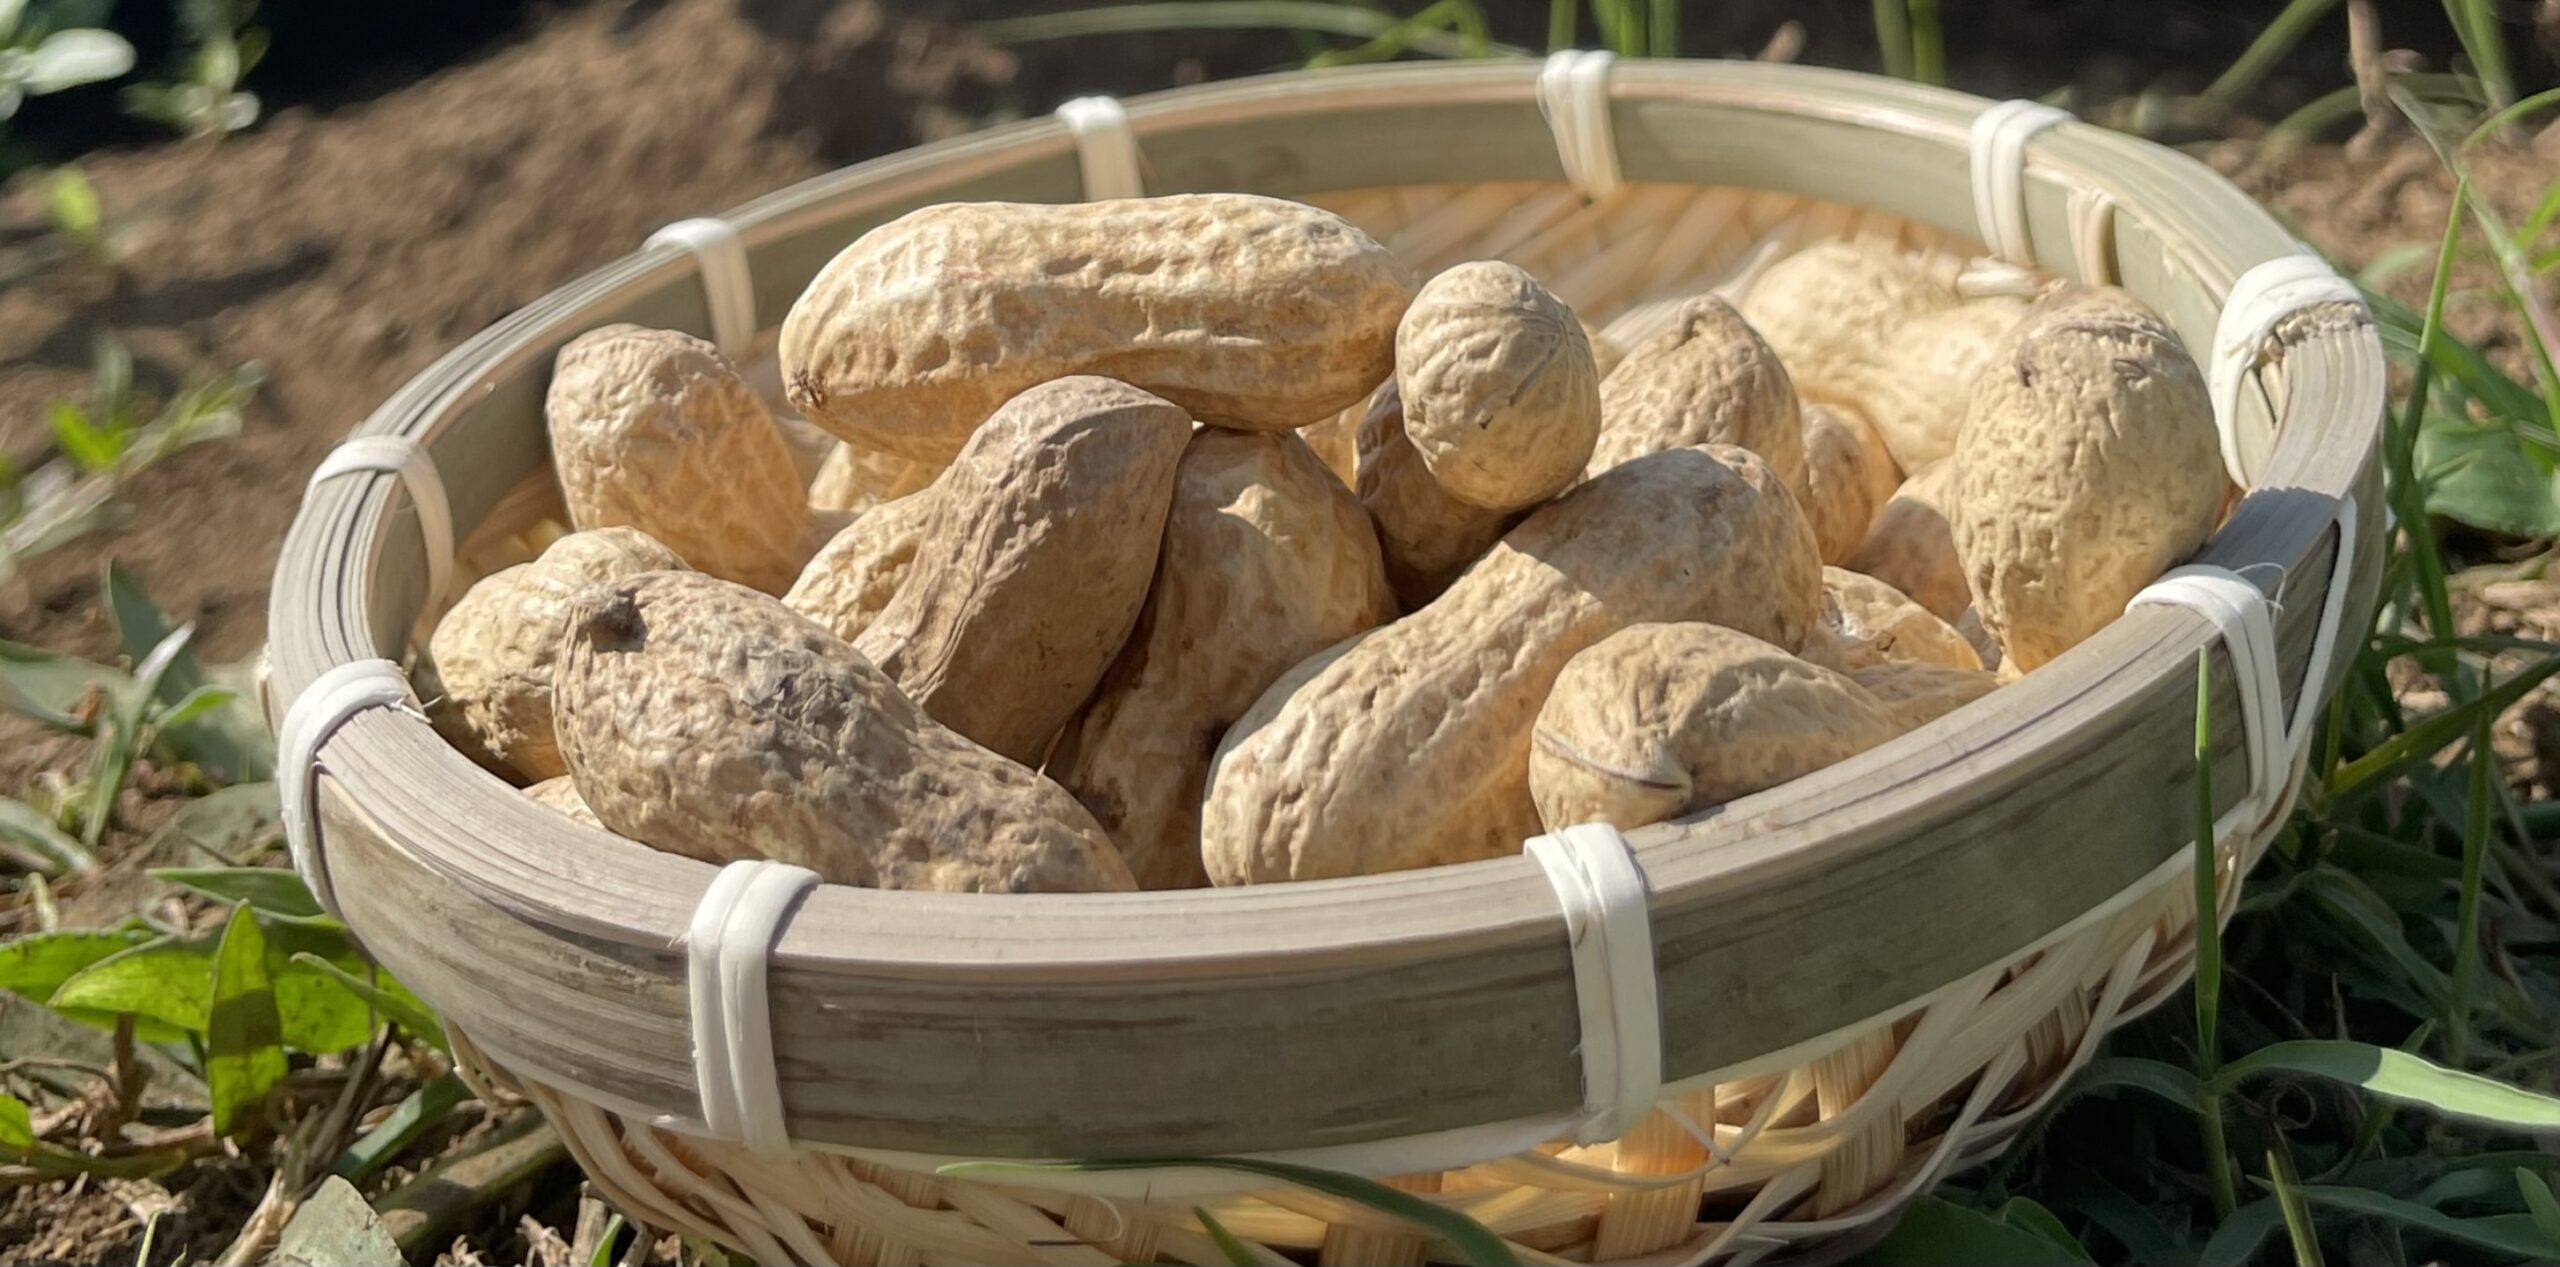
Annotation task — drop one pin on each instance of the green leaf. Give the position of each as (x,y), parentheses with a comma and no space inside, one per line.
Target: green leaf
(385,995)
(196,703)
(56,850)
(35,966)
(2506,1233)
(320,1014)
(230,824)
(67,59)
(421,1112)
(1935,1231)
(73,203)
(244,1038)
(2485,475)
(272,890)
(229,740)
(91,447)
(2539,1203)
(164,981)
(1237,1253)
(2398,1075)
(50,688)
(2235,1243)
(17,1129)
(2026,1215)
(2177,1086)
(1473,1242)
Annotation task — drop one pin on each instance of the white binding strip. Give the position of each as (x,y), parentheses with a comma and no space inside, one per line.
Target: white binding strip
(1573,92)
(1602,891)
(315,715)
(728,286)
(406,458)
(1106,147)
(2244,617)
(2093,240)
(728,948)
(2265,295)
(1999,144)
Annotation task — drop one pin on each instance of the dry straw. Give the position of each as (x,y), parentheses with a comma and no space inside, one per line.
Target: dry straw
(1866,976)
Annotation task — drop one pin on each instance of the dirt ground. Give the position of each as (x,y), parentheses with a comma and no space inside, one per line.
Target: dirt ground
(346,249)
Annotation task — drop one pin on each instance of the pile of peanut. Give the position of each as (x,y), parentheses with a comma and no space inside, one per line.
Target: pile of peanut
(1073,605)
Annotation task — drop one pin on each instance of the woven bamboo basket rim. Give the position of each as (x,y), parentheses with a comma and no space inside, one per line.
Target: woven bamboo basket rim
(1422,1004)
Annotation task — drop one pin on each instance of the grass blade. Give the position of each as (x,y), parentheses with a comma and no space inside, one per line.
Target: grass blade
(421,1112)
(2475,852)
(271,889)
(1928,42)
(2266,51)
(2506,1233)
(1238,1254)
(50,850)
(2543,1207)
(2208,988)
(2399,1075)
(2297,1212)
(2429,735)
(1893,37)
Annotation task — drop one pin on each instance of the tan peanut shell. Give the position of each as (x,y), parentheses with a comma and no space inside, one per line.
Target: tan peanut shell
(652,429)
(1827,305)
(1500,395)
(1660,720)
(1267,560)
(1426,536)
(851,579)
(703,718)
(1917,694)
(854,478)
(1409,747)
(1912,547)
(1917,377)
(1707,379)
(1867,622)
(2088,465)
(1042,539)
(494,651)
(561,793)
(1249,312)
(1848,477)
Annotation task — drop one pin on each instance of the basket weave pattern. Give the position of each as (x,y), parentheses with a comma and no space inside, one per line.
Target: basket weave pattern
(1813,1149)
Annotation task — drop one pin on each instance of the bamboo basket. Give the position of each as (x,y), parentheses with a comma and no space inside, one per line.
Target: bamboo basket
(1865,977)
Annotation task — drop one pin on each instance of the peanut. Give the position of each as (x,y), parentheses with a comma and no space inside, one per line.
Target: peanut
(1249,312)
(1707,379)
(1848,476)
(1911,547)
(703,718)
(856,479)
(1867,622)
(2088,464)
(1915,381)
(493,654)
(1660,720)
(1427,536)
(1267,560)
(1409,746)
(561,793)
(1041,541)
(1826,306)
(1916,694)
(1500,397)
(851,579)
(652,429)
